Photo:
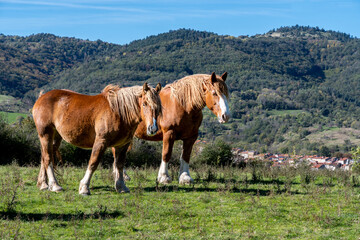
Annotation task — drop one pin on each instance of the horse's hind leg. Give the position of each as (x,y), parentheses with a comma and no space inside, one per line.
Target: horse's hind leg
(57,142)
(184,174)
(119,163)
(115,152)
(42,179)
(47,156)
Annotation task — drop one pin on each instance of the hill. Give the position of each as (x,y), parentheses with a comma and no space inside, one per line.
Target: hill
(33,61)
(309,70)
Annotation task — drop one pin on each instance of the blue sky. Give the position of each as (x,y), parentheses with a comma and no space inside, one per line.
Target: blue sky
(123,21)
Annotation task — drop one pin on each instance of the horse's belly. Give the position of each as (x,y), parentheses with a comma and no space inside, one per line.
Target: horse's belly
(79,137)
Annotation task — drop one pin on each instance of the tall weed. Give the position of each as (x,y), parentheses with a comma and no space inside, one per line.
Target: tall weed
(10,186)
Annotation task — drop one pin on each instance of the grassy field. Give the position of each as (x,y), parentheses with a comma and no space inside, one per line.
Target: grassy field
(335,136)
(10,106)
(12,117)
(222,204)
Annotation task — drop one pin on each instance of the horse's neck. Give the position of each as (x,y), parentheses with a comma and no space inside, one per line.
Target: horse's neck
(196,109)
(136,118)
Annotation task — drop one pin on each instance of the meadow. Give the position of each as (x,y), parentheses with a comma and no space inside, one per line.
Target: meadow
(10,117)
(223,203)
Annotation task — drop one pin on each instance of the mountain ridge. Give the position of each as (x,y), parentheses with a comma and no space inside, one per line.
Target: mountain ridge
(305,69)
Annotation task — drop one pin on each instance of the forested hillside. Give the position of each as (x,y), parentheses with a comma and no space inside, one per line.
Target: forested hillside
(287,86)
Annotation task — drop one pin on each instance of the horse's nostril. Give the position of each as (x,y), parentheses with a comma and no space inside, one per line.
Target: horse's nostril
(152,129)
(224,117)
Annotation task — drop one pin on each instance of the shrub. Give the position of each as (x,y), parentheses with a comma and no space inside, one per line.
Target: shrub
(144,153)
(19,142)
(215,154)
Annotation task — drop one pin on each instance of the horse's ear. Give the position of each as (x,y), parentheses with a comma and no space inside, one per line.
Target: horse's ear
(158,87)
(224,76)
(213,78)
(145,87)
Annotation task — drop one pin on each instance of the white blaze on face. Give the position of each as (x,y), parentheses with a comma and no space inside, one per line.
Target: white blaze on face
(154,123)
(224,106)
(151,129)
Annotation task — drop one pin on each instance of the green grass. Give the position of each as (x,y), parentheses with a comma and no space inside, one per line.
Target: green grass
(330,128)
(12,117)
(6,98)
(11,108)
(222,204)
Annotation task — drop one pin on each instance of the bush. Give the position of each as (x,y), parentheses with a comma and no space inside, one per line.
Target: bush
(215,154)
(144,153)
(19,142)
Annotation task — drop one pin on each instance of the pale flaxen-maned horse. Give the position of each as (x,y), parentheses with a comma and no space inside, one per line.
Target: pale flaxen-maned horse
(95,122)
(182,103)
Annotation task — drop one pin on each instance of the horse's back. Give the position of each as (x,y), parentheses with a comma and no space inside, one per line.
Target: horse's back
(62,107)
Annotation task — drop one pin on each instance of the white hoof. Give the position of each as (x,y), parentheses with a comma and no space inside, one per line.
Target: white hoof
(84,189)
(121,187)
(185,179)
(54,187)
(163,179)
(44,186)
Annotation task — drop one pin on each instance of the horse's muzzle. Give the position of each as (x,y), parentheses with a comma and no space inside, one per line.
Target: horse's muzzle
(152,129)
(224,118)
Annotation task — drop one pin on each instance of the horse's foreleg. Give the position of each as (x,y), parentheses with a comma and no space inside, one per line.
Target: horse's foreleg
(98,149)
(184,174)
(119,163)
(168,143)
(47,160)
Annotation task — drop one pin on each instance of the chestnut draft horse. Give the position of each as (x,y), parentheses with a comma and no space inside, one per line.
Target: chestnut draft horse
(96,122)
(182,103)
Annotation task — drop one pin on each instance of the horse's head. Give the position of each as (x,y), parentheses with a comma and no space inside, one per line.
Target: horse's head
(216,97)
(150,105)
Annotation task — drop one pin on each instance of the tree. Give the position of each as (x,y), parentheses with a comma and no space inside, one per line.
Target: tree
(217,154)
(356,156)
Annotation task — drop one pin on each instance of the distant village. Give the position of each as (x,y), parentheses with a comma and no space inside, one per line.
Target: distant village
(279,160)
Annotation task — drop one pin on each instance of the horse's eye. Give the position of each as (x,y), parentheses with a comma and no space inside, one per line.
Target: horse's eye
(144,104)
(214,94)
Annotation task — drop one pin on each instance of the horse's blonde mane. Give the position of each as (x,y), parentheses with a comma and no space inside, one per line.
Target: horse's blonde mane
(189,91)
(124,101)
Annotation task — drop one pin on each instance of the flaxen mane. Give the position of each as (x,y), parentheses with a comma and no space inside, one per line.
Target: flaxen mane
(124,101)
(189,90)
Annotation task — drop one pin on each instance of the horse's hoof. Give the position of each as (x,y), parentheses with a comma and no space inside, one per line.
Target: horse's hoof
(55,188)
(164,179)
(124,191)
(185,179)
(120,187)
(44,187)
(84,190)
